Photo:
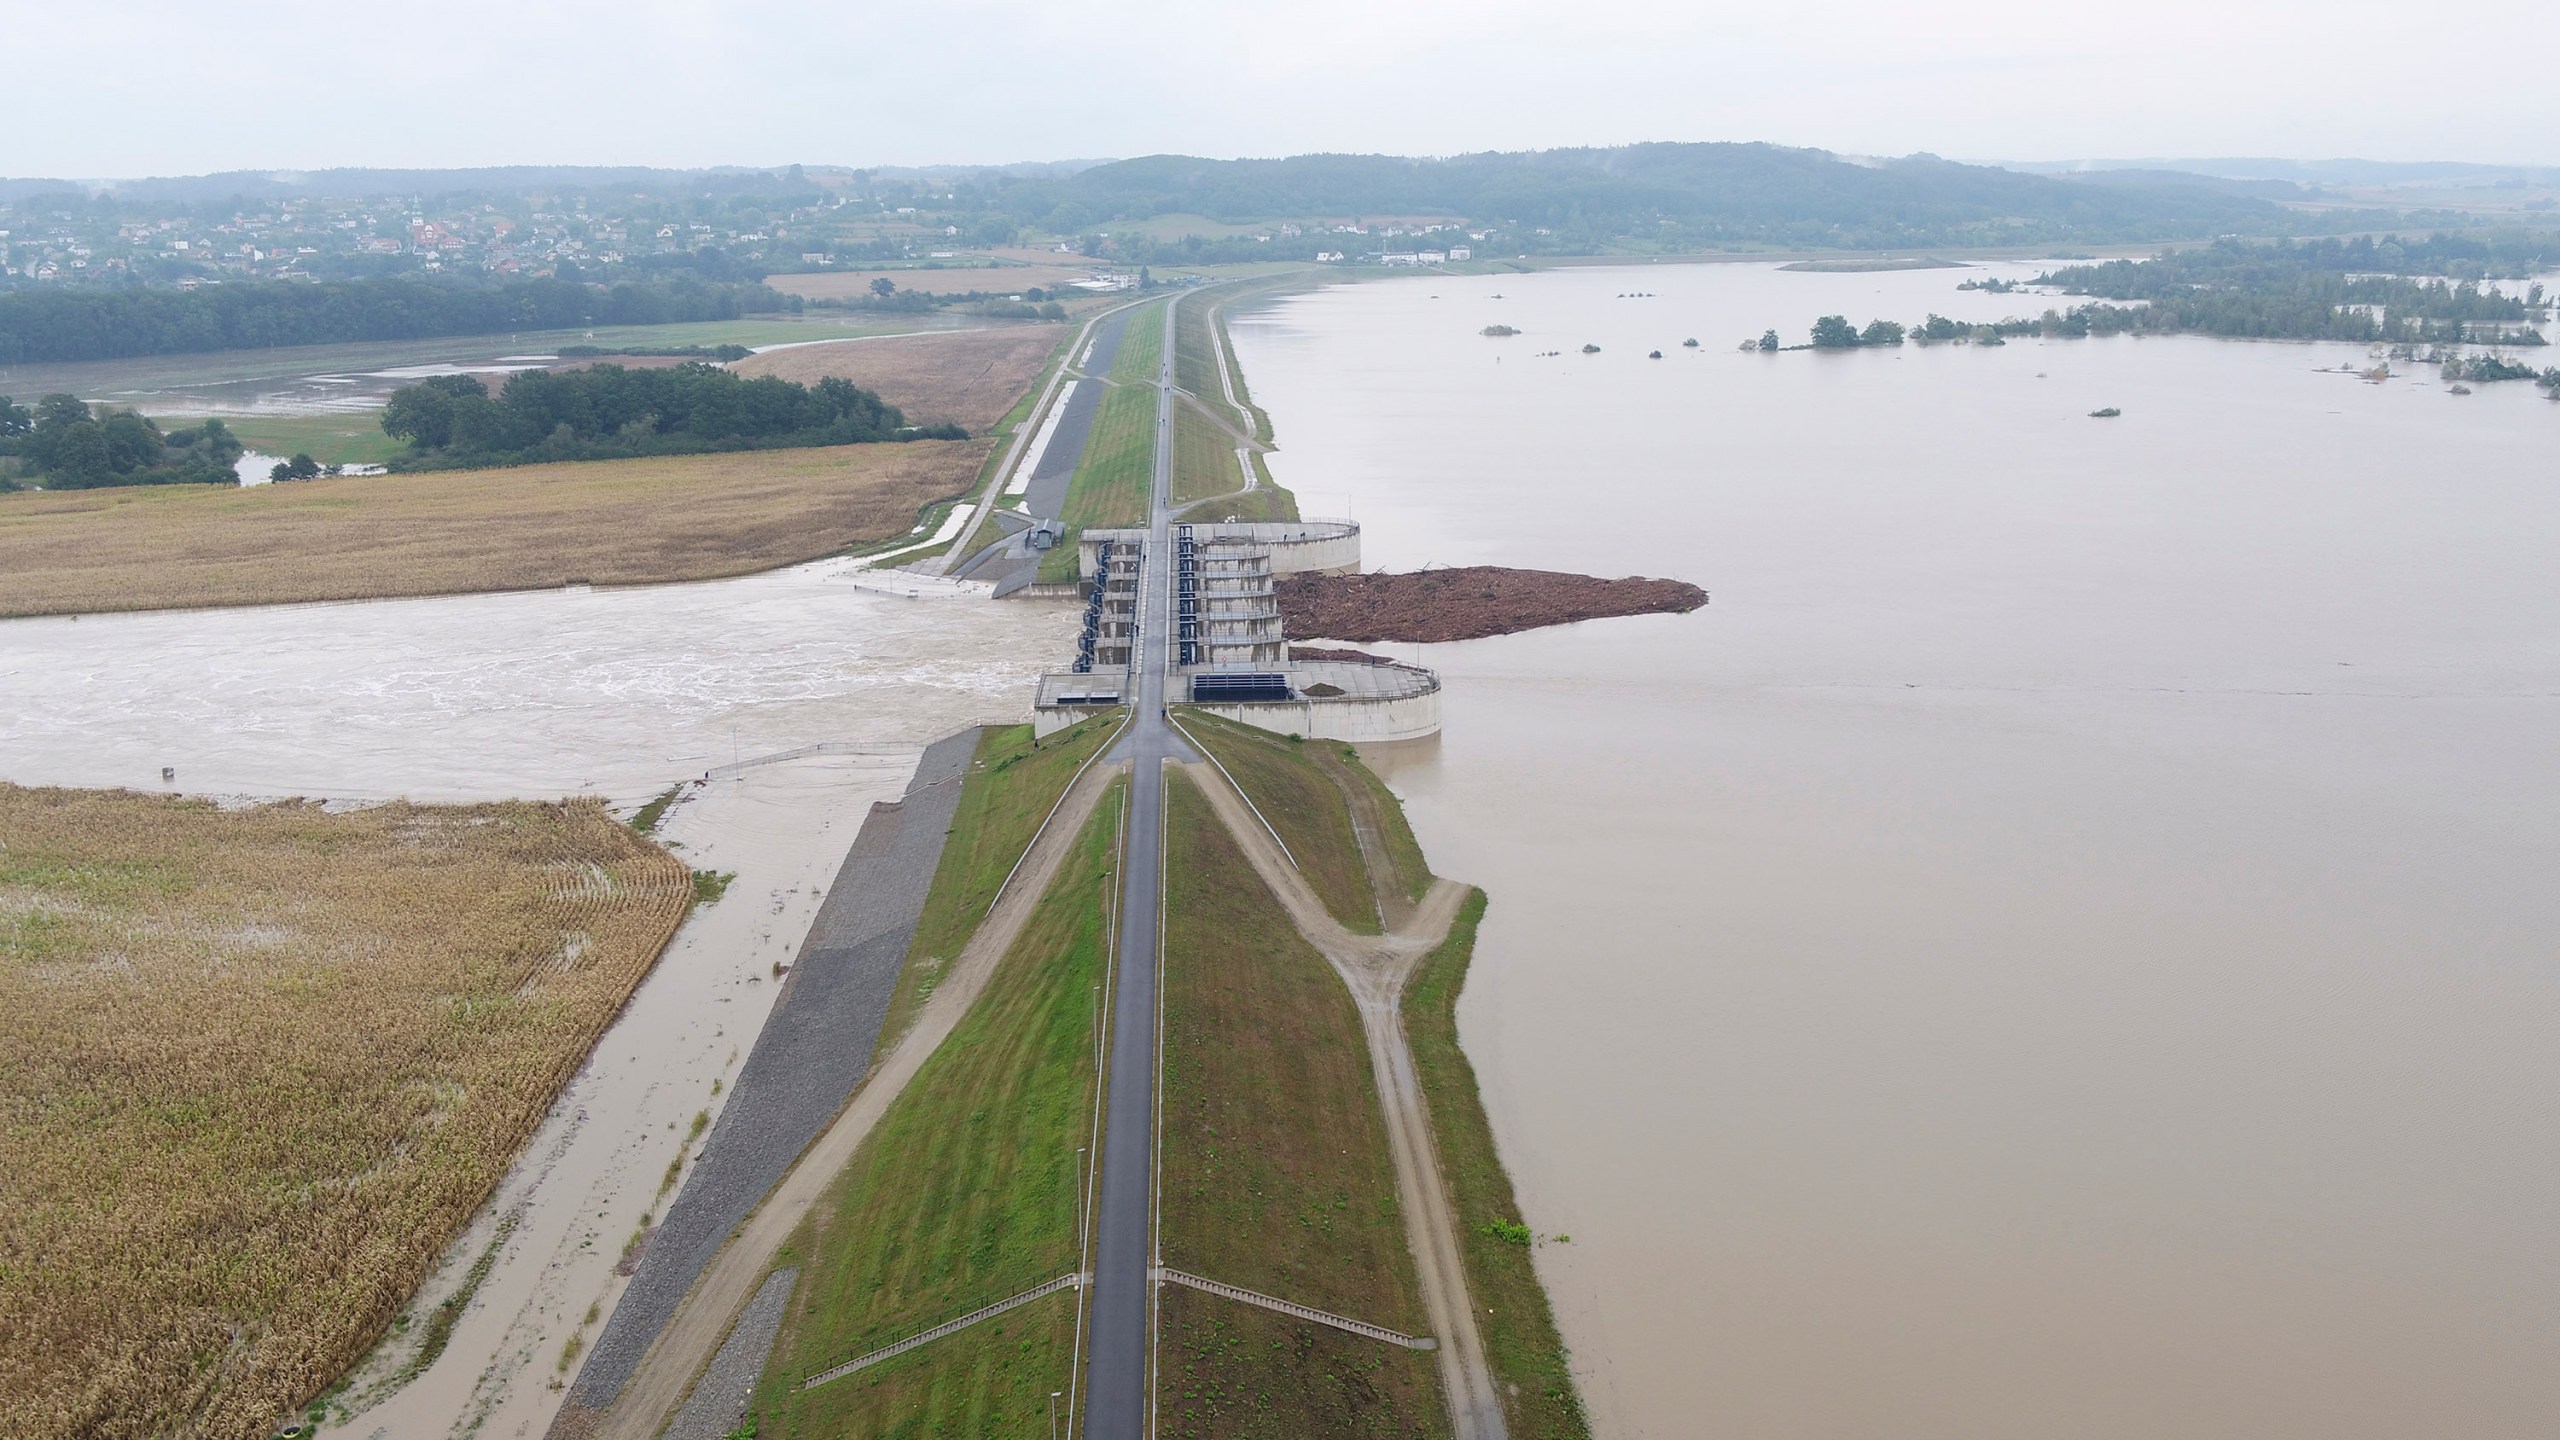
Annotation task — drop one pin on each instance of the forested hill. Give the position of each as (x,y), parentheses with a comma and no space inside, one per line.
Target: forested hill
(1657,197)
(38,326)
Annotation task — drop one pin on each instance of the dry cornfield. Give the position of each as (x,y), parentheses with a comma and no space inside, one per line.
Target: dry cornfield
(447,532)
(259,1066)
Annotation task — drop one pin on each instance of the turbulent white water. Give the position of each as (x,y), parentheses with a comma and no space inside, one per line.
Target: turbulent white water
(614,691)
(2064,944)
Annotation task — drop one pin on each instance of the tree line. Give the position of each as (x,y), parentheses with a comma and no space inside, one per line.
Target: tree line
(53,325)
(607,412)
(2324,290)
(69,446)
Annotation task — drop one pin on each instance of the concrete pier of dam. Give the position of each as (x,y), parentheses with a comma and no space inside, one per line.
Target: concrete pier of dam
(1228,645)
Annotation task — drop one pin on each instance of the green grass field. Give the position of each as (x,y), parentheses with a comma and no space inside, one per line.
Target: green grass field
(1276,1174)
(969,1191)
(1285,781)
(1527,1356)
(1111,480)
(1012,784)
(1204,456)
(1141,345)
(1195,360)
(349,438)
(1267,503)
(1238,1372)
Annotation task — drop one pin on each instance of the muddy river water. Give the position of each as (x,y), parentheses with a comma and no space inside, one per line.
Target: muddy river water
(2066,943)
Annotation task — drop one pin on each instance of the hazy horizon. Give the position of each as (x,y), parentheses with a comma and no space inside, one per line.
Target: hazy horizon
(314,87)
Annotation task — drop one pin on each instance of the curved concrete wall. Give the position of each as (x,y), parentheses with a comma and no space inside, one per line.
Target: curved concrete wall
(1348,719)
(1297,546)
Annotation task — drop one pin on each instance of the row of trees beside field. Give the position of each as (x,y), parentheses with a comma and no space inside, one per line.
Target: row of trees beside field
(96,323)
(608,412)
(68,446)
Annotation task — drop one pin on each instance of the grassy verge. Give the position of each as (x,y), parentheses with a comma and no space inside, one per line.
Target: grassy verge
(1288,785)
(1195,361)
(612,522)
(1141,346)
(1410,873)
(1204,456)
(1238,1372)
(1011,785)
(1276,1173)
(1115,472)
(1263,503)
(1528,1358)
(966,1193)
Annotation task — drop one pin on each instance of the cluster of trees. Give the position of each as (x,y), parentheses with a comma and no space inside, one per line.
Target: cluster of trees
(67,446)
(42,326)
(607,412)
(1834,332)
(2493,367)
(2293,292)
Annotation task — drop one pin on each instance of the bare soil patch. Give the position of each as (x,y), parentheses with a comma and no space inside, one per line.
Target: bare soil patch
(1467,603)
(259,1066)
(607,522)
(968,378)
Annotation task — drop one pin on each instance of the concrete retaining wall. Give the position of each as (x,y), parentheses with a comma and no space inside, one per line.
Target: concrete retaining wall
(1355,721)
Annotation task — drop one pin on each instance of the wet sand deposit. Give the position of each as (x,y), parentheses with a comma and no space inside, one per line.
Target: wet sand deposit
(1468,603)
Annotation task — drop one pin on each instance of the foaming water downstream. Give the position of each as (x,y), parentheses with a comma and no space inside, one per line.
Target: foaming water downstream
(615,691)
(2063,944)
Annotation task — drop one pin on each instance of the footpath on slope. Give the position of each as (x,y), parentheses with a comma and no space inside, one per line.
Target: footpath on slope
(658,1382)
(1376,967)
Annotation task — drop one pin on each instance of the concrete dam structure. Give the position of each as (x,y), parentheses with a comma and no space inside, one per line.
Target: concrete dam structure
(1227,650)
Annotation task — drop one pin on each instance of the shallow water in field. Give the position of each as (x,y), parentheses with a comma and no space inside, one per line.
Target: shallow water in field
(2064,944)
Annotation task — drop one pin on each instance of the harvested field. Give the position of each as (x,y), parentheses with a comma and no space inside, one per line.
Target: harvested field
(611,522)
(258,1067)
(969,378)
(1466,603)
(950,280)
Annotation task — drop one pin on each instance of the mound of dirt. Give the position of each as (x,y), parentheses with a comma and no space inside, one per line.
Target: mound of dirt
(1349,657)
(1431,606)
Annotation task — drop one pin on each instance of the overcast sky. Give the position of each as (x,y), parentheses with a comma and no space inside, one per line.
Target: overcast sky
(122,89)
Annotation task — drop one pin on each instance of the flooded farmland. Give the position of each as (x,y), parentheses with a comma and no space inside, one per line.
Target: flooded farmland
(2063,943)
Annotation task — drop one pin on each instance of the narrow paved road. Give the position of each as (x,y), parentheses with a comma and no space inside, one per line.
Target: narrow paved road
(1116,1395)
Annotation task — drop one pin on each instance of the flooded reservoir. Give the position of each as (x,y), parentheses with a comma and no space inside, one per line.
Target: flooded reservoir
(2064,945)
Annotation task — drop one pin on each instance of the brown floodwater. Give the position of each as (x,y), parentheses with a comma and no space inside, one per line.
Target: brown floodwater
(2066,943)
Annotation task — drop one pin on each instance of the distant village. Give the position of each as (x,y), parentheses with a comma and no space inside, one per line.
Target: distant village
(105,239)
